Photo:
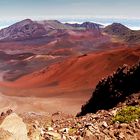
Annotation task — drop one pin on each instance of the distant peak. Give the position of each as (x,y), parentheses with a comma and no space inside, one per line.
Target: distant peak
(118,25)
(88,22)
(23,22)
(26,21)
(116,28)
(56,21)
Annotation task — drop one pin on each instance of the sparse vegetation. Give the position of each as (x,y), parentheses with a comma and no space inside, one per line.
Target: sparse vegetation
(72,131)
(127,114)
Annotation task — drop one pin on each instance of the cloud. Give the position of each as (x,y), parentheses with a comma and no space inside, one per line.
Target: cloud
(73,8)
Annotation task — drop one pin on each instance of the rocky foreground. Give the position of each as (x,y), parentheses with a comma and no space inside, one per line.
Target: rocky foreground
(115,104)
(58,126)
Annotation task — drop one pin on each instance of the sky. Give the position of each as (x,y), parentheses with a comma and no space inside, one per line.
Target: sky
(70,10)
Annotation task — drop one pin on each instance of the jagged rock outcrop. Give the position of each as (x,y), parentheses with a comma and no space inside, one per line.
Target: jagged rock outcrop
(114,89)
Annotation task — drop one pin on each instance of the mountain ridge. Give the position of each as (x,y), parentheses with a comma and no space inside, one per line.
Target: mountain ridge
(28,28)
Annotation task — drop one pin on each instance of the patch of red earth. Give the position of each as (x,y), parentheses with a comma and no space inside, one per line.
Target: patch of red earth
(58,40)
(67,85)
(81,72)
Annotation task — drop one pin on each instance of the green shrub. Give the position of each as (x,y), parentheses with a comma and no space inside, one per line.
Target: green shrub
(72,131)
(127,114)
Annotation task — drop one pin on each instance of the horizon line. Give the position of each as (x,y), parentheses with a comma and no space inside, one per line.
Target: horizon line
(59,17)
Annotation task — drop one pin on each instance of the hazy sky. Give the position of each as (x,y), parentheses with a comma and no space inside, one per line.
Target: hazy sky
(102,11)
(69,8)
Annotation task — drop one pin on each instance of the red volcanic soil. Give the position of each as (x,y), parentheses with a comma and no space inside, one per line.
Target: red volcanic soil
(67,85)
(58,40)
(79,73)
